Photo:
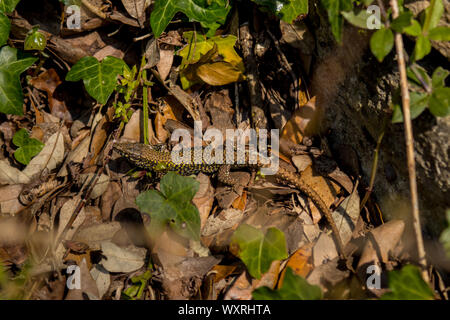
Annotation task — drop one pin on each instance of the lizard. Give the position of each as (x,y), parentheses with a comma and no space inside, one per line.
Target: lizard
(157,160)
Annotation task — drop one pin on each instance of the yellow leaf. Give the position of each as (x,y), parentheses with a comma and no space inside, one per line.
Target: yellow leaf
(200,51)
(219,73)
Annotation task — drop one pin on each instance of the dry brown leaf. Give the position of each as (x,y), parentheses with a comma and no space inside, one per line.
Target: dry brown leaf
(164,65)
(222,271)
(299,262)
(102,278)
(204,198)
(109,198)
(136,9)
(226,219)
(242,289)
(9,199)
(95,234)
(109,51)
(48,81)
(66,213)
(160,119)
(240,202)
(304,122)
(100,134)
(324,250)
(384,239)
(99,188)
(133,129)
(119,259)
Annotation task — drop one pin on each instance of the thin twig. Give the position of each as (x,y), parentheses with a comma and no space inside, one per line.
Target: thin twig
(409,146)
(373,172)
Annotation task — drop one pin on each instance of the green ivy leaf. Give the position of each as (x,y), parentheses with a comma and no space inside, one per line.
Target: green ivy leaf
(11,96)
(422,48)
(357,17)
(99,78)
(414,29)
(334,9)
(439,34)
(414,80)
(407,284)
(445,236)
(438,77)
(440,102)
(5,28)
(418,103)
(172,206)
(257,250)
(290,11)
(381,43)
(294,288)
(28,147)
(8,6)
(403,21)
(35,40)
(209,16)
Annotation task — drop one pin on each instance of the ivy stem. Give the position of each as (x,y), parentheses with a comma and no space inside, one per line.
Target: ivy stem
(409,146)
(145,113)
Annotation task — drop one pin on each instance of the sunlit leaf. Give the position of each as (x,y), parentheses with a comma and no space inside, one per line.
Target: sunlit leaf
(439,103)
(28,147)
(257,250)
(99,78)
(172,206)
(440,34)
(381,43)
(422,48)
(210,16)
(11,96)
(5,28)
(407,284)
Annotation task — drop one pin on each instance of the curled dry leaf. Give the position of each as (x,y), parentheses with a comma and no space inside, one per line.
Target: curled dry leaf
(11,175)
(299,262)
(77,155)
(304,122)
(346,216)
(133,129)
(119,259)
(94,235)
(242,288)
(166,54)
(102,279)
(204,198)
(223,221)
(384,239)
(48,81)
(9,199)
(136,9)
(99,188)
(66,213)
